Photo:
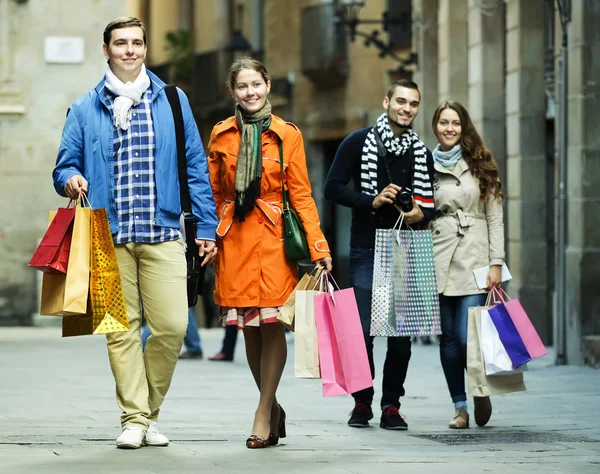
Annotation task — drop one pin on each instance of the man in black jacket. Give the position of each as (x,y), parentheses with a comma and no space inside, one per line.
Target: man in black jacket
(382,161)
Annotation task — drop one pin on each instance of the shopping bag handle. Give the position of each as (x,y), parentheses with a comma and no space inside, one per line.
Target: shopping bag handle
(491,300)
(319,285)
(400,221)
(81,201)
(318,269)
(323,279)
(502,295)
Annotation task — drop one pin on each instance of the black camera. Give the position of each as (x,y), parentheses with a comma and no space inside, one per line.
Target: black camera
(404,200)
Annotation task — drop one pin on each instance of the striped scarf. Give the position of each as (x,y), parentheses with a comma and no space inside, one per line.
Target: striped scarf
(248,174)
(422,188)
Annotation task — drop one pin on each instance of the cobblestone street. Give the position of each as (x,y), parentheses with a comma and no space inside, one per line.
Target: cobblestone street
(59,415)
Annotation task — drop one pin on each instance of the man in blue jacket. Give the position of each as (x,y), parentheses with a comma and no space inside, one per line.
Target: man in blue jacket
(118,146)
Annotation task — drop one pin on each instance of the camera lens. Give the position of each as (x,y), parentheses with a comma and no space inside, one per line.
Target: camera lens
(404,200)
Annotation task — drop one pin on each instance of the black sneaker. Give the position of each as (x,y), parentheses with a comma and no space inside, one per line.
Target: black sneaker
(392,419)
(360,415)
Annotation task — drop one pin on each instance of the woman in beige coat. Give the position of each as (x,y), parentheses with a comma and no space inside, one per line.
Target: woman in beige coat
(468,233)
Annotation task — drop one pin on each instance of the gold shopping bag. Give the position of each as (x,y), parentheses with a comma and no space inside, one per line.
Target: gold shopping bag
(308,281)
(107,312)
(67,295)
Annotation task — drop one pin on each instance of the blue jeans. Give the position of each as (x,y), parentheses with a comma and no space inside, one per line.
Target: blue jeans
(398,348)
(192,337)
(454,311)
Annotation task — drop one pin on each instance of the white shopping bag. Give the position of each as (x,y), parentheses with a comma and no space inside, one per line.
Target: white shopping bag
(497,361)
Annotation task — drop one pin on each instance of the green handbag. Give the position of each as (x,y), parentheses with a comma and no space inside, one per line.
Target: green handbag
(294,237)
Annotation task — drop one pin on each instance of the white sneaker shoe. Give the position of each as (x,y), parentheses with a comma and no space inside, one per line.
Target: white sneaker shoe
(154,438)
(131,438)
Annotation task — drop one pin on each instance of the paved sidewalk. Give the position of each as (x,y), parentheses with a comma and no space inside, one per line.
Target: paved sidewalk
(58,415)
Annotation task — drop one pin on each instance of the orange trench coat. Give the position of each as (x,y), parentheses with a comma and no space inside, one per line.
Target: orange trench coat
(251,267)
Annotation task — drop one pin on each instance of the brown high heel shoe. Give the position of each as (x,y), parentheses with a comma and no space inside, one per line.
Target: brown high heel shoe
(274,438)
(257,442)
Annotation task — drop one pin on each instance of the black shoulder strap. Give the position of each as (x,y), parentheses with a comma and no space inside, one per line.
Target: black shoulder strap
(381,151)
(184,189)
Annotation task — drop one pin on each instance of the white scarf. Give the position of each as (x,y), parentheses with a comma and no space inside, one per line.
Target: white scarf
(128,94)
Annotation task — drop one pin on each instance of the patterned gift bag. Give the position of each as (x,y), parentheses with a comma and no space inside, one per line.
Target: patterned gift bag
(383,313)
(416,300)
(106,312)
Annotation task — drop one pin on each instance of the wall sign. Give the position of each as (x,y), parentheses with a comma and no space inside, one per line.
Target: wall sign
(64,49)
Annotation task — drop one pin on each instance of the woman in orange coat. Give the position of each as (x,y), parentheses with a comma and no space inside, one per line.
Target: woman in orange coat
(253,277)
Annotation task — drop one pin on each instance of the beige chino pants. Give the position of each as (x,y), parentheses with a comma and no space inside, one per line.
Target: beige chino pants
(153,277)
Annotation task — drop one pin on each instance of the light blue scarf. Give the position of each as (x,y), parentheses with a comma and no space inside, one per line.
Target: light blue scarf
(447,159)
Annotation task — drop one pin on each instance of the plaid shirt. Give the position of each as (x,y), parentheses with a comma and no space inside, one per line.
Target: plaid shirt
(135,188)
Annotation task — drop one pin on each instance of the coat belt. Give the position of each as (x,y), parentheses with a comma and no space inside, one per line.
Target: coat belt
(464,220)
(267,203)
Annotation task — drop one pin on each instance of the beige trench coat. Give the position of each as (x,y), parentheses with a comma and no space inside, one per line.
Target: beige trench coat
(468,233)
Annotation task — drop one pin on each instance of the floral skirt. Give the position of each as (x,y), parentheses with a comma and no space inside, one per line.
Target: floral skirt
(248,317)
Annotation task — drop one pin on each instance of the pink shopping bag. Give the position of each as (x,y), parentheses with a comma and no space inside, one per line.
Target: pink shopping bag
(528,334)
(342,350)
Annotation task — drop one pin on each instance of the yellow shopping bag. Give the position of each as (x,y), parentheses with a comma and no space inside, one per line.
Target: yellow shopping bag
(107,312)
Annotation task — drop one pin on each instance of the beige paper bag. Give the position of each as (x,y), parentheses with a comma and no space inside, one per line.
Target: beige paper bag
(67,295)
(481,385)
(306,350)
(308,281)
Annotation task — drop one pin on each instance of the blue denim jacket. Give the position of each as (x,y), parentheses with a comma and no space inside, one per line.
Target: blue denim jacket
(86,149)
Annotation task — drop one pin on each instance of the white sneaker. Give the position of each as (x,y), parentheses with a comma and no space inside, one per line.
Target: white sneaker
(154,438)
(131,438)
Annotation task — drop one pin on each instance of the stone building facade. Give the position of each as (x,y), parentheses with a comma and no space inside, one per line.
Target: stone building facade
(50,54)
(494,56)
(498,57)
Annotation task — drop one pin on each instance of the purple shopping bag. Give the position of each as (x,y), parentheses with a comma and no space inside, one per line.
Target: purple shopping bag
(528,334)
(509,335)
(342,350)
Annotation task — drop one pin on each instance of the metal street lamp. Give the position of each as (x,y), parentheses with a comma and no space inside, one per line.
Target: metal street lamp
(238,43)
(347,13)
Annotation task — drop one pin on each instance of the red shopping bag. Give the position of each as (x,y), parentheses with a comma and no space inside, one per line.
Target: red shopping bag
(52,255)
(342,350)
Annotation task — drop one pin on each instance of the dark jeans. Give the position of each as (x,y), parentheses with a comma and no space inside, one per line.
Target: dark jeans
(398,348)
(454,311)
(231,334)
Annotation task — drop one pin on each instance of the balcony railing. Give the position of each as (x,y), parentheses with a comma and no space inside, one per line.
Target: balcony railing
(324,47)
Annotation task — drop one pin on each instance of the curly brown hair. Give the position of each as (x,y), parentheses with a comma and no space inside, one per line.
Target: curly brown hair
(479,158)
